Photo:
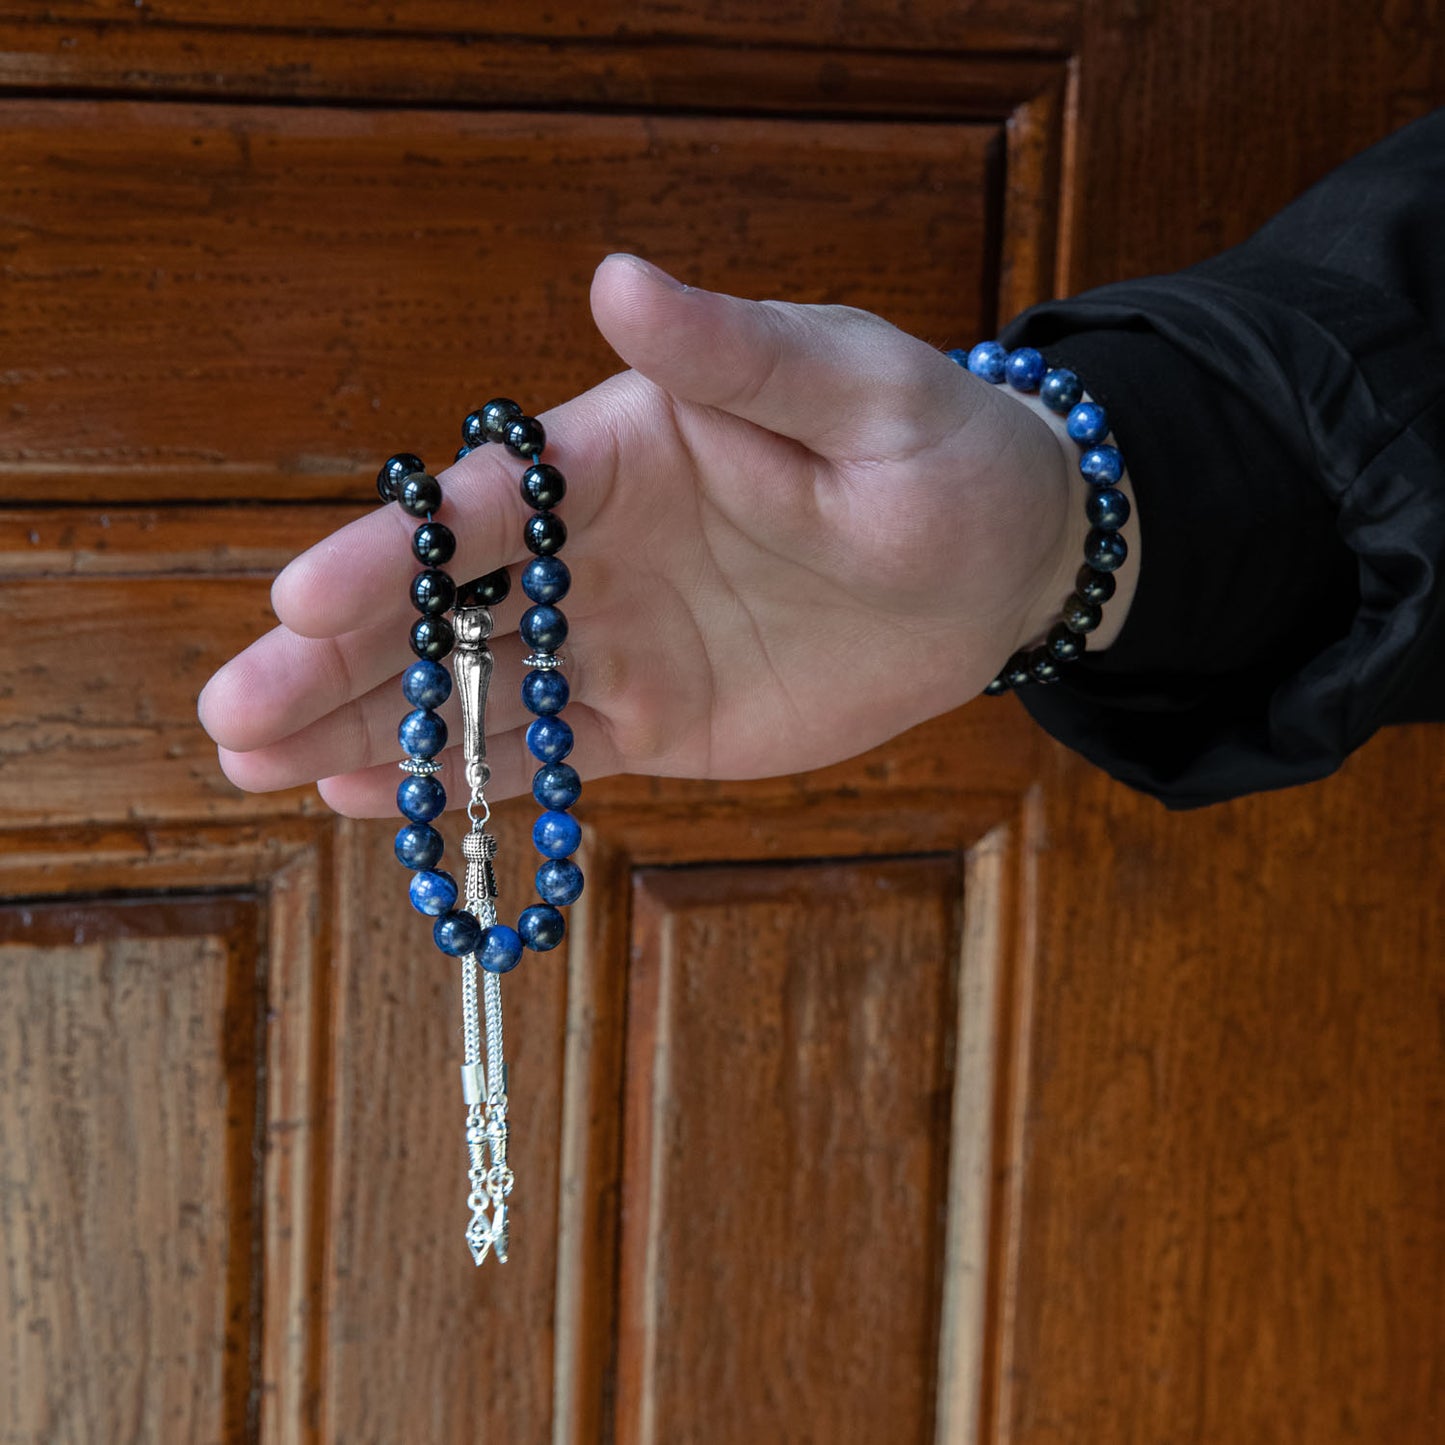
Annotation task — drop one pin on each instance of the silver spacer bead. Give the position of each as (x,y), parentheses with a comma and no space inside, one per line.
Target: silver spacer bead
(546,661)
(420,767)
(477,846)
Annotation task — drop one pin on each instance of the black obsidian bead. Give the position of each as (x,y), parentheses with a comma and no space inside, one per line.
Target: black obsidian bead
(1042,667)
(393,472)
(474,430)
(433,545)
(495,416)
(545,533)
(463,452)
(543,486)
(996,688)
(1094,586)
(432,638)
(1064,645)
(1107,508)
(1105,551)
(525,436)
(432,592)
(420,494)
(1081,615)
(485,591)
(543,628)
(1016,670)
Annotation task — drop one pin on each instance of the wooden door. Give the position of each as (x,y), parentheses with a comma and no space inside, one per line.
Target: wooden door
(952,1094)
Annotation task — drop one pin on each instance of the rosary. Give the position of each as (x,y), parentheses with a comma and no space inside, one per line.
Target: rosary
(472,933)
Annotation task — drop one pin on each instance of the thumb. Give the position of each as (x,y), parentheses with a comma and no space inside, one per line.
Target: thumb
(842,381)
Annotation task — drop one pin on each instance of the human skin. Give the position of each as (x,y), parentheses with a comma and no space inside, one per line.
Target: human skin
(794,532)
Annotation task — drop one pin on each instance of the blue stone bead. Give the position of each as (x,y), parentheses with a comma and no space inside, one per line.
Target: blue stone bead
(543,627)
(426,684)
(1061,390)
(556,786)
(433,893)
(422,734)
(544,691)
(988,360)
(1087,424)
(500,950)
(419,846)
(546,579)
(1025,368)
(1107,508)
(541,927)
(1105,551)
(557,835)
(959,356)
(559,881)
(421,799)
(1103,466)
(457,933)
(549,739)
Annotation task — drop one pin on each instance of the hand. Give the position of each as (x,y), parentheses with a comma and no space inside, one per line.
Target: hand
(795,532)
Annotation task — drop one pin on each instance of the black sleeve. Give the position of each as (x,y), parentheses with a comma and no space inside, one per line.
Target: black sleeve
(1281,410)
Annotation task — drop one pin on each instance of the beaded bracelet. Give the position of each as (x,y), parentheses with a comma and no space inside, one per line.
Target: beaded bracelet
(1106,507)
(473,933)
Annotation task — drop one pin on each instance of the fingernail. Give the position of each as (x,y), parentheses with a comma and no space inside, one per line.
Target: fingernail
(656,272)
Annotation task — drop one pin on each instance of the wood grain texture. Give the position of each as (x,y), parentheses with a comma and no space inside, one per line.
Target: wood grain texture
(789,1076)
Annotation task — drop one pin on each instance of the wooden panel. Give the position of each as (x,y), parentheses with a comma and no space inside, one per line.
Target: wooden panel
(205,301)
(130,1053)
(788,1079)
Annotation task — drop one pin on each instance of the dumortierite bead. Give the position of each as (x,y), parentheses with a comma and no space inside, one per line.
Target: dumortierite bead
(544,534)
(426,684)
(544,628)
(524,437)
(1064,644)
(500,950)
(1103,466)
(1108,508)
(393,472)
(457,933)
(546,579)
(549,739)
(1105,551)
(433,545)
(1061,390)
(1024,368)
(495,416)
(988,360)
(557,835)
(1094,586)
(541,927)
(420,494)
(1081,615)
(433,893)
(559,881)
(1087,424)
(432,638)
(543,486)
(418,846)
(421,734)
(544,692)
(420,799)
(556,786)
(485,591)
(432,592)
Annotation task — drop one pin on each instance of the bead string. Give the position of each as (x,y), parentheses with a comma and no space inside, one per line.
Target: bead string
(1107,508)
(472,933)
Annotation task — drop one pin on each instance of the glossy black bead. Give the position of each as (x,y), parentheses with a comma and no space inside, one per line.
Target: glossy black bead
(996,688)
(545,533)
(463,452)
(432,638)
(495,416)
(1094,586)
(474,429)
(543,628)
(525,436)
(420,495)
(1016,670)
(1042,667)
(1080,615)
(1064,645)
(393,472)
(433,545)
(543,486)
(1105,551)
(1107,508)
(546,579)
(485,591)
(432,592)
